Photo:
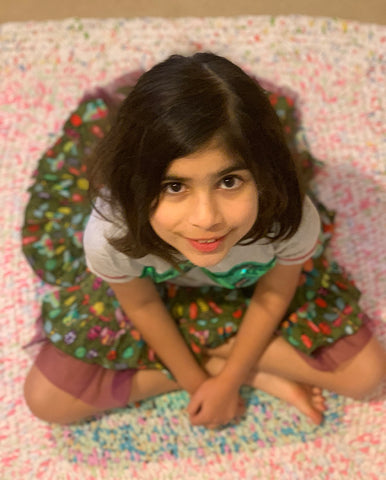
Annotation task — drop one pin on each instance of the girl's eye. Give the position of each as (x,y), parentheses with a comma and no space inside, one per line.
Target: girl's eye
(231,182)
(173,187)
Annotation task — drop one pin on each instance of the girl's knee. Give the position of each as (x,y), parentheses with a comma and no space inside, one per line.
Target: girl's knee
(42,398)
(371,369)
(36,394)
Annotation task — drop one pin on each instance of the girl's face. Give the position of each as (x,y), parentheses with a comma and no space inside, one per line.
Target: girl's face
(208,203)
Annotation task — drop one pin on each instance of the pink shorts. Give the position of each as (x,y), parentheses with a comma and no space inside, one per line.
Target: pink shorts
(329,358)
(107,389)
(97,386)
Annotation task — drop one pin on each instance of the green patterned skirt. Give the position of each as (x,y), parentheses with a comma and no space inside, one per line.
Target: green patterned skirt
(82,317)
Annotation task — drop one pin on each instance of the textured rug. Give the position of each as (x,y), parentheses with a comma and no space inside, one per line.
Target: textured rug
(336,67)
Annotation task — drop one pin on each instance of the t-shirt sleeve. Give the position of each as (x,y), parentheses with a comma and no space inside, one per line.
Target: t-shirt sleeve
(301,246)
(101,258)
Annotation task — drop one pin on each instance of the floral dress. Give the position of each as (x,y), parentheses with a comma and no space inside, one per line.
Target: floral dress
(82,316)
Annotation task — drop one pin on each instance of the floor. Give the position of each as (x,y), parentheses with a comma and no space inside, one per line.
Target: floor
(373,11)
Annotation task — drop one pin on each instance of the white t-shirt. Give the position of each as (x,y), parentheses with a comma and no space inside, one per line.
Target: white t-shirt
(242,266)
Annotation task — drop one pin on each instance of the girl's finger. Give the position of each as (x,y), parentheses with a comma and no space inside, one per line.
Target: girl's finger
(198,417)
(202,418)
(194,406)
(197,421)
(213,426)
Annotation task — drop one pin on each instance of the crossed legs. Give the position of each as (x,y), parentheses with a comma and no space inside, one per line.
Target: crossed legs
(280,372)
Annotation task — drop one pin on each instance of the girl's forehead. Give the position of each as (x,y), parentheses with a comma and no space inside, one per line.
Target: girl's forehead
(213,161)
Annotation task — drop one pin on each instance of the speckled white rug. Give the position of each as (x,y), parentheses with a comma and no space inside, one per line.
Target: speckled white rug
(336,69)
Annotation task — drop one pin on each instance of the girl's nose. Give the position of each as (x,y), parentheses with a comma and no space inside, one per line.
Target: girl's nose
(205,212)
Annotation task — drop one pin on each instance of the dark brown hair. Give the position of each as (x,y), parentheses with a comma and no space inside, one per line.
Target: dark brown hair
(175,109)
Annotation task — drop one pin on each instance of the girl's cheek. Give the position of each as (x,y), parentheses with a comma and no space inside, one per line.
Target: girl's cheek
(163,217)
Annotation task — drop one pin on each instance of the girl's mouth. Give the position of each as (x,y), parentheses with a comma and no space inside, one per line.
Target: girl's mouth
(206,245)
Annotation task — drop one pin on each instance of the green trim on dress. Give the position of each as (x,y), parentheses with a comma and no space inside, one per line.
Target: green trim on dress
(242,275)
(165,276)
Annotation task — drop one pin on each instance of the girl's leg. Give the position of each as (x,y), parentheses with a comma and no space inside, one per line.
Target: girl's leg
(280,372)
(63,389)
(354,378)
(52,404)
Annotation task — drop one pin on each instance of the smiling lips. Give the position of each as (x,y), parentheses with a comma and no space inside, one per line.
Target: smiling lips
(206,245)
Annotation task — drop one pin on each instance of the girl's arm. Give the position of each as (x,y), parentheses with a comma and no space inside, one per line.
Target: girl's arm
(269,303)
(144,307)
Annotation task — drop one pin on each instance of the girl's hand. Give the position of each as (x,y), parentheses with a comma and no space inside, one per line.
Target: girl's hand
(215,403)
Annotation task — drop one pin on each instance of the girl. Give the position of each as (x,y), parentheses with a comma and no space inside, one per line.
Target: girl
(207,272)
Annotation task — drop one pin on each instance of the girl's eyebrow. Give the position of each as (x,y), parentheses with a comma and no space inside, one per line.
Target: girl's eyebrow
(220,173)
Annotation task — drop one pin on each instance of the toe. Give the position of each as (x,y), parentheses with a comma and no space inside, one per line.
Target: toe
(313,412)
(317,417)
(320,406)
(317,391)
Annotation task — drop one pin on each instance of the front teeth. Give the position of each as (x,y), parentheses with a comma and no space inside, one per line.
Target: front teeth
(207,241)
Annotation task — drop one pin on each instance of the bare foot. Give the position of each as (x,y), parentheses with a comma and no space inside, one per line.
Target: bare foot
(307,399)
